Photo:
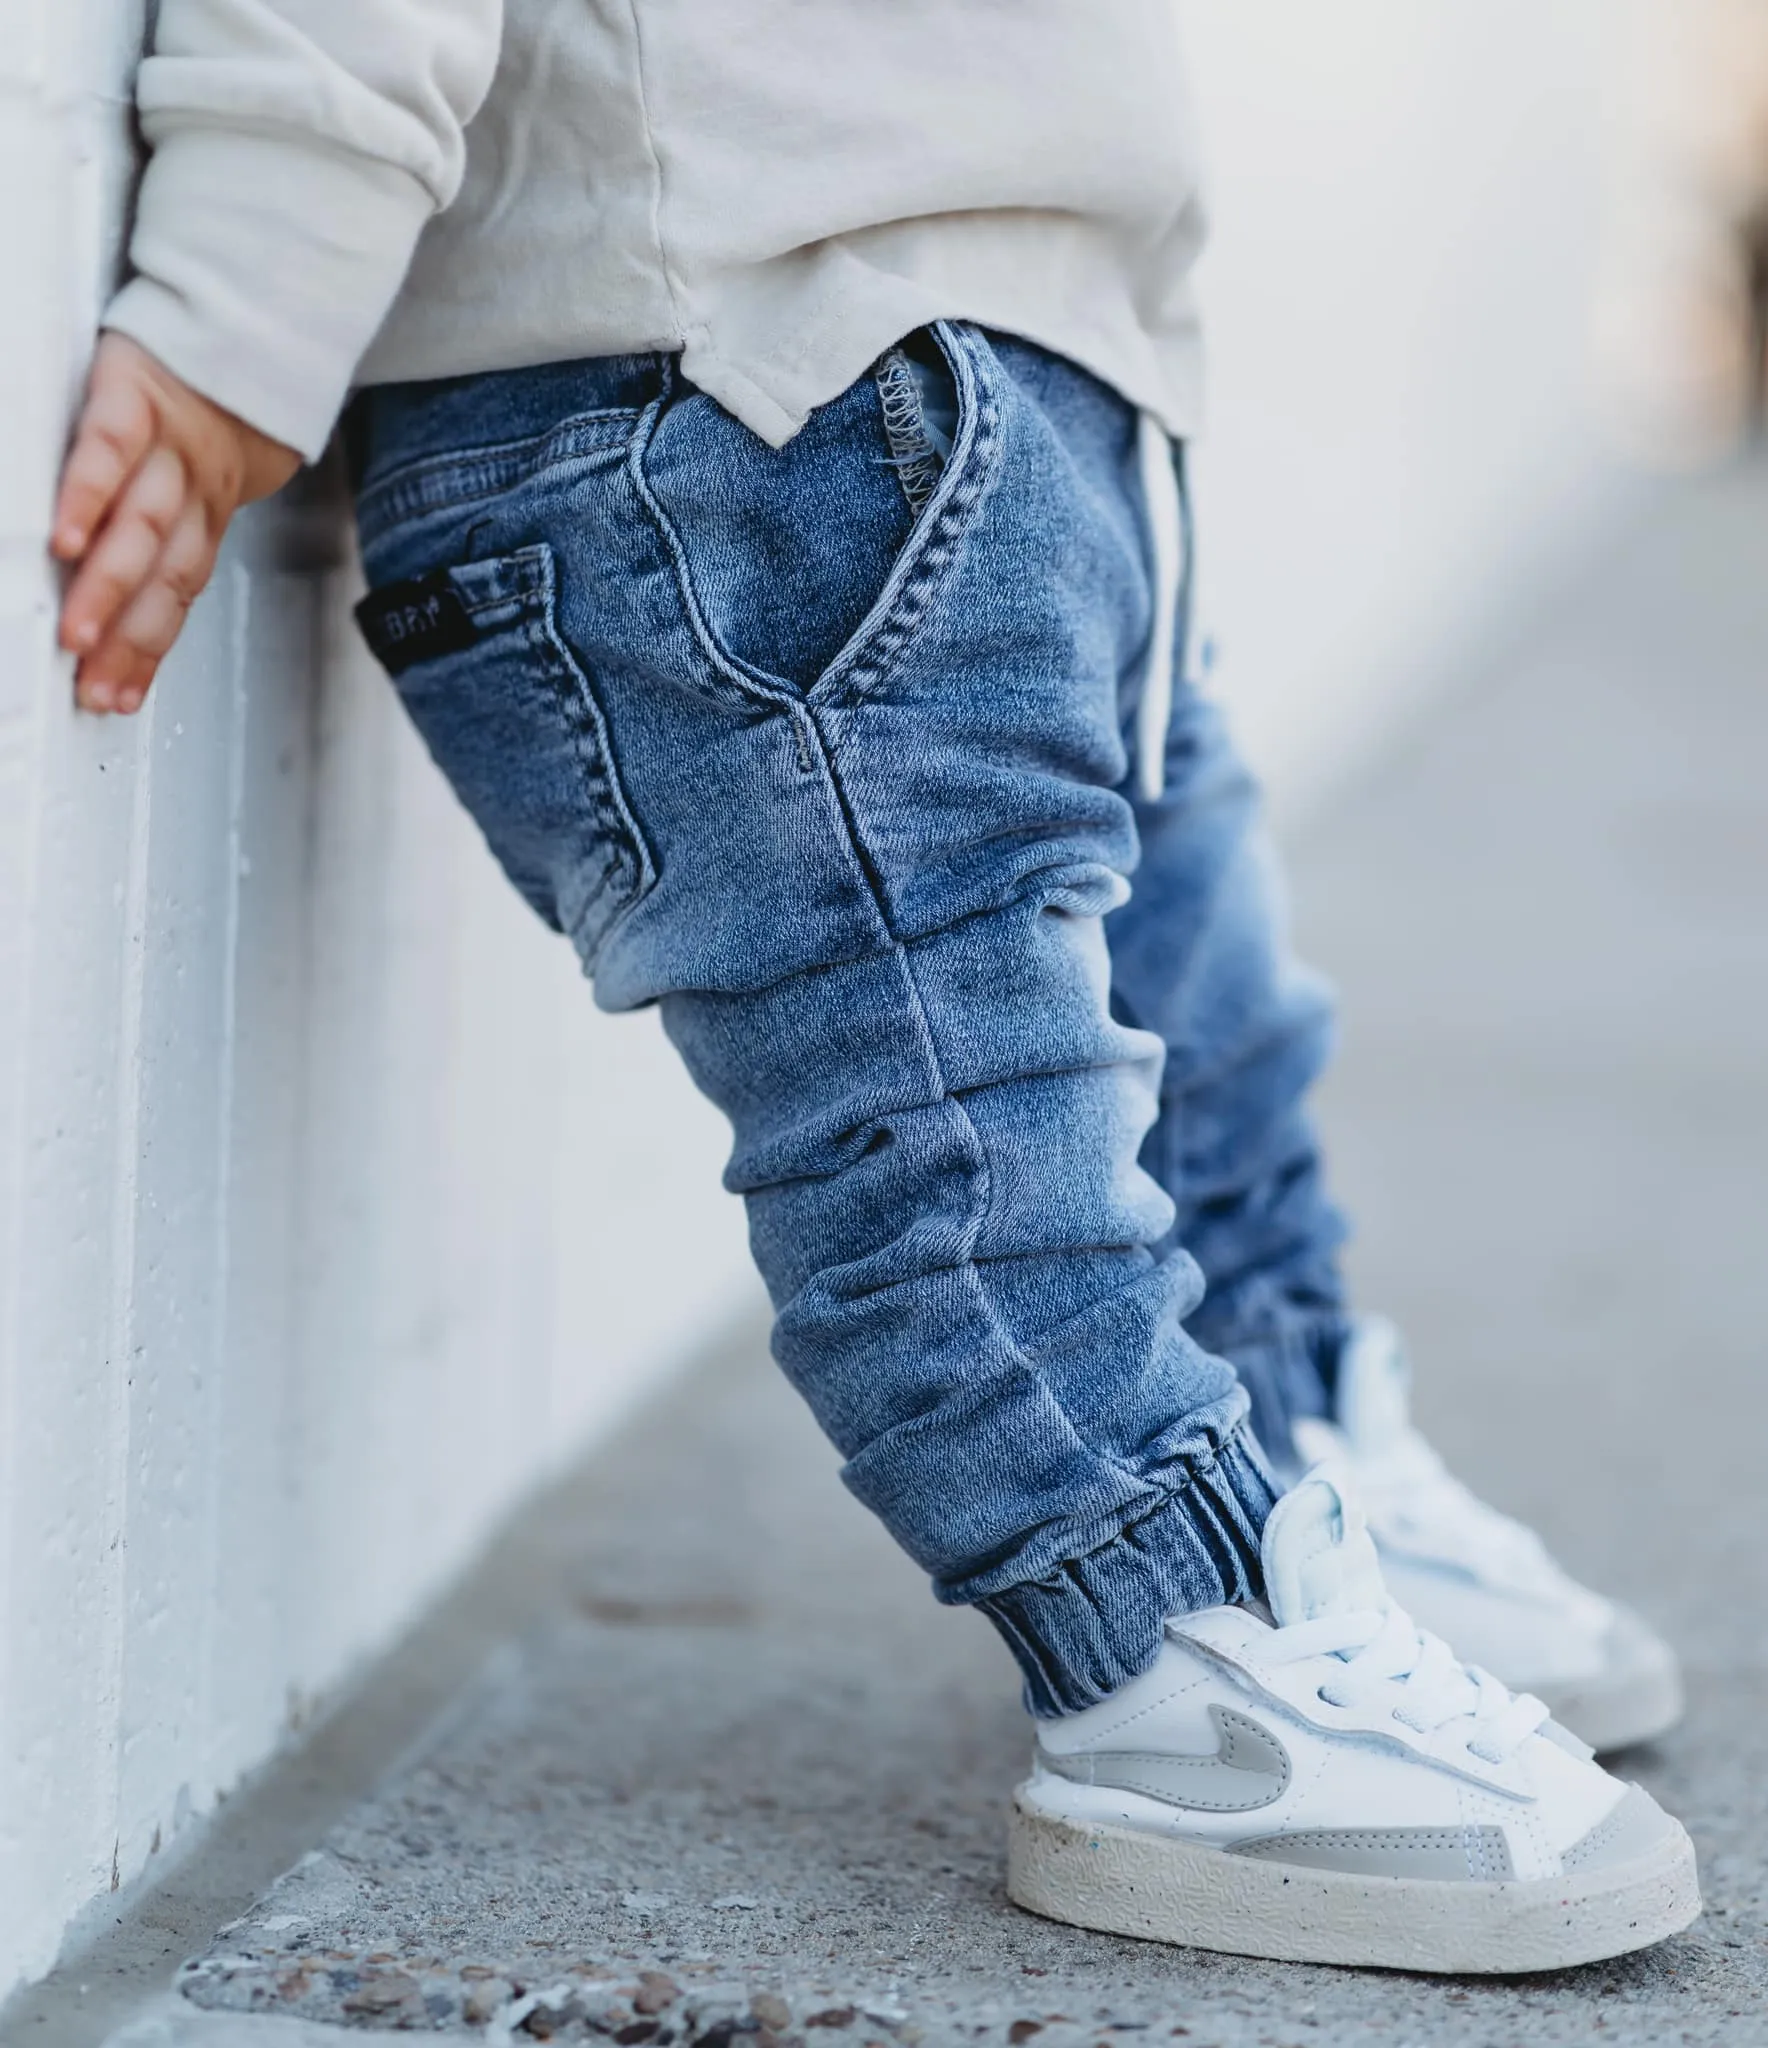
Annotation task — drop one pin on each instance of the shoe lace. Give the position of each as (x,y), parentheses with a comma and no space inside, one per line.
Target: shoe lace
(1384,1657)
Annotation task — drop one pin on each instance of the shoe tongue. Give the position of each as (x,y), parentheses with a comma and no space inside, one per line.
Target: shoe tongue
(1372,1388)
(1318,1555)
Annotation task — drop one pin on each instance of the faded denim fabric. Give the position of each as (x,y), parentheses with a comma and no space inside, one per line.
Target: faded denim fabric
(826,750)
(1200,956)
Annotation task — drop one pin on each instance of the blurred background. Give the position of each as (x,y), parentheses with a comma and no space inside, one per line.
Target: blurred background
(1476,272)
(334,1220)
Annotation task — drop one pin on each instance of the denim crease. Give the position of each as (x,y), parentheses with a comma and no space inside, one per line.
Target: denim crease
(827,751)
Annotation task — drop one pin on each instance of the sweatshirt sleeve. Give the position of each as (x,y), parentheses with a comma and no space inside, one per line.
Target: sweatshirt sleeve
(298,148)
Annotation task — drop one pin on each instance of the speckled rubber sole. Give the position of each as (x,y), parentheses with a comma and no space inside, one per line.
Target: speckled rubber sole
(1121,1880)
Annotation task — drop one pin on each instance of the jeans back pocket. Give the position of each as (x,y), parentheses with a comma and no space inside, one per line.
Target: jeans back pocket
(513,720)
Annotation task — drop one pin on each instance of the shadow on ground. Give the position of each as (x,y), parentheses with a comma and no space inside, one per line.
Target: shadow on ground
(742,1779)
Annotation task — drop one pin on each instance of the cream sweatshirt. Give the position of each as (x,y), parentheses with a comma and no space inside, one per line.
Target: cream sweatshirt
(357,191)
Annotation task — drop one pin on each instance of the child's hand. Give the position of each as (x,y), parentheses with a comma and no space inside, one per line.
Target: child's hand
(154,475)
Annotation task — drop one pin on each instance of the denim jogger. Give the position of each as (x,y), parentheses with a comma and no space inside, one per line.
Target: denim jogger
(824,750)
(1199,955)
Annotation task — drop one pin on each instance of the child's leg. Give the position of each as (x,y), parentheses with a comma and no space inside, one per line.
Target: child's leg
(1199,956)
(831,770)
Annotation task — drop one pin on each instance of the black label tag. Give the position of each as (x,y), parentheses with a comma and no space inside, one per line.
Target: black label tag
(407,622)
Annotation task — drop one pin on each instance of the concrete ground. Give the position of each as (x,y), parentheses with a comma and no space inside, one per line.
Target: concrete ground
(732,1773)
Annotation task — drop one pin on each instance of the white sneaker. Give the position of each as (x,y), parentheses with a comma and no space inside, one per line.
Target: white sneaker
(1331,1786)
(1480,1580)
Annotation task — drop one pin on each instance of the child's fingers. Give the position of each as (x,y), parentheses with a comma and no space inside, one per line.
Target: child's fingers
(122,557)
(115,432)
(115,676)
(103,672)
(154,617)
(133,689)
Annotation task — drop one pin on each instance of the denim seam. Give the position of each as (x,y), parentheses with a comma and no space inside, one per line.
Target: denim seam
(728,672)
(888,627)
(435,483)
(968,1266)
(536,592)
(929,1046)
(871,657)
(978,423)
(581,695)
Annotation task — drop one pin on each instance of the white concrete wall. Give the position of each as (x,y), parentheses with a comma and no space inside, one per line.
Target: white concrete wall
(331,1213)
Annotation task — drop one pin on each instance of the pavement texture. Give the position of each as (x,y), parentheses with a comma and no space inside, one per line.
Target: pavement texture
(738,1780)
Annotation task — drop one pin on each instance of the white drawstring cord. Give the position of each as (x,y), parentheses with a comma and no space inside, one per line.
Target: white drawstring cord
(1160,492)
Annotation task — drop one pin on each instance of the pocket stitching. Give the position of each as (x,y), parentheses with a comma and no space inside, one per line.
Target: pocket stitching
(728,669)
(527,590)
(441,483)
(887,629)
(912,453)
(577,700)
(886,633)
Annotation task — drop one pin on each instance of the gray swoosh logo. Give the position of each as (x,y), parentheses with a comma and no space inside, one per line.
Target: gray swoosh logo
(1249,1769)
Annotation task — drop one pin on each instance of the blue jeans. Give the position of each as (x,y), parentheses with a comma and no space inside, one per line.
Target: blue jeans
(827,750)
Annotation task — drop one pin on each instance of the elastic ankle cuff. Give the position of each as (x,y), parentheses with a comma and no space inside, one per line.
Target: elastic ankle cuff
(1095,1623)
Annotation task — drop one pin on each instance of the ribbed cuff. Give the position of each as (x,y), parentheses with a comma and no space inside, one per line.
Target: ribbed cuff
(263,266)
(1095,1623)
